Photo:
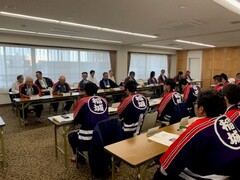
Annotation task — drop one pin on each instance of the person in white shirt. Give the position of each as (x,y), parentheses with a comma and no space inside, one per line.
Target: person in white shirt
(92,78)
(15,85)
(110,72)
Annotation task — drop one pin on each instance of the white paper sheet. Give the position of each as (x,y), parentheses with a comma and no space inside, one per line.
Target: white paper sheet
(164,138)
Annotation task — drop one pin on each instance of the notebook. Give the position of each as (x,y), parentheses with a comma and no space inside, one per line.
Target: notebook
(63,119)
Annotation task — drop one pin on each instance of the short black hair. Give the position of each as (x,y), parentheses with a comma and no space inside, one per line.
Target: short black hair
(170,82)
(84,73)
(180,73)
(224,76)
(19,77)
(130,86)
(217,78)
(152,74)
(90,89)
(183,82)
(132,73)
(105,73)
(92,71)
(213,103)
(40,72)
(232,93)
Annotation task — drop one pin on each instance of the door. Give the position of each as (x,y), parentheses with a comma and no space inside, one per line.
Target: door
(194,65)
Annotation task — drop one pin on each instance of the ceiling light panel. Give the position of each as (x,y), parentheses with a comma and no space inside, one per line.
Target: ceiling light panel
(34,18)
(21,16)
(194,43)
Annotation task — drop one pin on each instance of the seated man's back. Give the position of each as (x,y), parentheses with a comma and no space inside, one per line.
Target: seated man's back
(130,110)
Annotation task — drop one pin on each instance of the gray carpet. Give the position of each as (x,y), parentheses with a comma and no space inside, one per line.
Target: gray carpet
(31,155)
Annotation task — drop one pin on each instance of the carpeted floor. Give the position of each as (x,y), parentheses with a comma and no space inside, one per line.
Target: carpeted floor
(30,153)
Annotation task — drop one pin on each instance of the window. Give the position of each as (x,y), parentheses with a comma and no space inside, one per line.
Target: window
(143,64)
(99,61)
(53,62)
(14,61)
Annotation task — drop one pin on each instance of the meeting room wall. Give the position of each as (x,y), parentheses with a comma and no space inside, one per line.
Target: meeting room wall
(121,52)
(214,61)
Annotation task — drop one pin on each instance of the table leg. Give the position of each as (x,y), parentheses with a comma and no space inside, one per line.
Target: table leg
(139,176)
(113,168)
(3,150)
(55,138)
(65,146)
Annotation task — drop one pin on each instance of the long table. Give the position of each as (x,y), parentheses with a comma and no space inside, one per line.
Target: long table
(138,150)
(22,103)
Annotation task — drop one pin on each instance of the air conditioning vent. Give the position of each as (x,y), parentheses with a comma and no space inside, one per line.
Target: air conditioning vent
(183,25)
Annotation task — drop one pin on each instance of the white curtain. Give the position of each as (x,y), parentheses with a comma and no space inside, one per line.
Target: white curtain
(53,62)
(143,64)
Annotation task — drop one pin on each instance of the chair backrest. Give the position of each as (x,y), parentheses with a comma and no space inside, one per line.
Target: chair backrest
(149,121)
(105,132)
(180,111)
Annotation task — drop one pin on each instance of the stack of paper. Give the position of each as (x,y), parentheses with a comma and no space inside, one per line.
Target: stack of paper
(62,119)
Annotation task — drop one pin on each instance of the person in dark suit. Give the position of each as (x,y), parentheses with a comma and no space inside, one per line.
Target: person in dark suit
(106,83)
(83,82)
(43,82)
(131,77)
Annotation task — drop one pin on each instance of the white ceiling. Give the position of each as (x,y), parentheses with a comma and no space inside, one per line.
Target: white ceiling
(201,21)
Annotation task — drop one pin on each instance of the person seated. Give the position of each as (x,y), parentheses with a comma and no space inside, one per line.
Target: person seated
(237,79)
(83,82)
(59,88)
(92,78)
(218,82)
(15,85)
(204,150)
(187,76)
(224,79)
(28,90)
(231,95)
(131,110)
(152,79)
(190,94)
(111,76)
(131,77)
(88,111)
(162,78)
(106,83)
(178,77)
(170,99)
(43,82)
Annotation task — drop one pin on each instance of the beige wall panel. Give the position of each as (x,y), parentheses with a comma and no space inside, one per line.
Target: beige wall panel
(214,61)
(181,61)
(219,60)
